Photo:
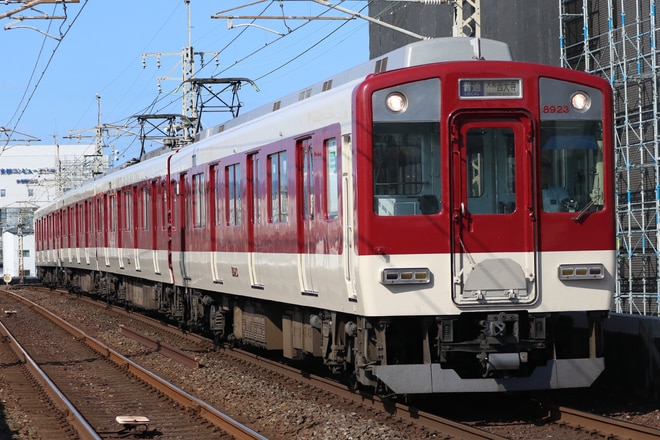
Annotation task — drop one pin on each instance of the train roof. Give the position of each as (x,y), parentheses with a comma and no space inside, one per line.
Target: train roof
(434,50)
(419,53)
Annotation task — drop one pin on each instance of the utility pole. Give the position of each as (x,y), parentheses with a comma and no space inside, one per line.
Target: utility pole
(189,111)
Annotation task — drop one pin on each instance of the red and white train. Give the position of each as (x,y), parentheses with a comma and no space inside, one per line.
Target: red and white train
(439,219)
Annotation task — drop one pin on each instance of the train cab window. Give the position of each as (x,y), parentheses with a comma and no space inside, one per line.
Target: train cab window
(199,200)
(406,174)
(331,179)
(233,194)
(278,188)
(571,166)
(491,173)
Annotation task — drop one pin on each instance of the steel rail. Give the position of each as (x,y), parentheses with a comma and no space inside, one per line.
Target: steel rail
(185,359)
(75,419)
(217,418)
(612,428)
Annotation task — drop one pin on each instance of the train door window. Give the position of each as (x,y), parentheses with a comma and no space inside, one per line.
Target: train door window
(406,174)
(278,191)
(233,194)
(571,166)
(89,218)
(199,200)
(331,179)
(145,218)
(212,195)
(112,212)
(128,211)
(307,159)
(256,188)
(164,208)
(100,212)
(218,189)
(490,161)
(175,200)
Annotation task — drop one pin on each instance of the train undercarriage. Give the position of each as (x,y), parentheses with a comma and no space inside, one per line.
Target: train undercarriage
(393,355)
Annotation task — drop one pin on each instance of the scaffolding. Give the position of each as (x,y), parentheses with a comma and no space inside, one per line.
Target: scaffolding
(616,39)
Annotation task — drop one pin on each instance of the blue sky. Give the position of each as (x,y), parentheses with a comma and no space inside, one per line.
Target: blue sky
(48,87)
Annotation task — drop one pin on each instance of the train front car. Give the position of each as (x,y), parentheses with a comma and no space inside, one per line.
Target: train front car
(484,227)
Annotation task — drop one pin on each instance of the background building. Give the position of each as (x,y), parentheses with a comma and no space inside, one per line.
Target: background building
(615,39)
(30,177)
(530,27)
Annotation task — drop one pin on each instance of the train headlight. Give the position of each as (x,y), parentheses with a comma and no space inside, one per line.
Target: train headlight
(396,102)
(418,275)
(568,272)
(581,101)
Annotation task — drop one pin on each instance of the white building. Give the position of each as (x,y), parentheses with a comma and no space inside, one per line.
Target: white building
(30,177)
(12,248)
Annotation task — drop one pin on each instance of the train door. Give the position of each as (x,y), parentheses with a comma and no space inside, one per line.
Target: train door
(183,213)
(214,220)
(306,238)
(254,185)
(493,223)
(113,243)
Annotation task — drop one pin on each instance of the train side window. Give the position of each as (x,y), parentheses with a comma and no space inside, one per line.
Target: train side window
(406,168)
(233,194)
(199,200)
(331,179)
(278,191)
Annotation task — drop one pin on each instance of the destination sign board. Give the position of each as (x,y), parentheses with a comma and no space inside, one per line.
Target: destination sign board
(482,88)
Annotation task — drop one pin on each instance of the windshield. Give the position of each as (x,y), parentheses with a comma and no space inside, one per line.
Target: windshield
(571,166)
(406,168)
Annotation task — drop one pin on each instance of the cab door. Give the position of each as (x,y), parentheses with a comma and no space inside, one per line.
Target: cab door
(493,222)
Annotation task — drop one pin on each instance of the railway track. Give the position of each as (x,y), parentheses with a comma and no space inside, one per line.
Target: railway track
(109,395)
(543,420)
(26,390)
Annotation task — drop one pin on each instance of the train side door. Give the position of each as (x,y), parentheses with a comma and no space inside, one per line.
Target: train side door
(493,224)
(307,213)
(254,189)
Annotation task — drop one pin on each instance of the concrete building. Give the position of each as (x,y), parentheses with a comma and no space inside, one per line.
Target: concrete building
(530,27)
(30,177)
